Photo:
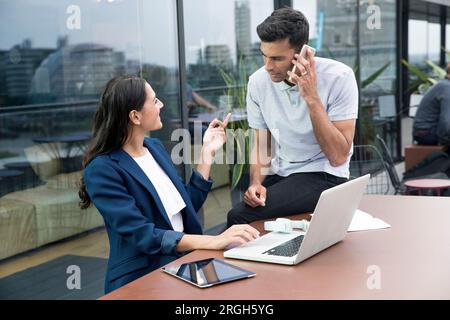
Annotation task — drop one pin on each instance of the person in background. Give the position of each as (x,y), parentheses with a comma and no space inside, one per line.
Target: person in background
(195,103)
(431,124)
(149,214)
(195,100)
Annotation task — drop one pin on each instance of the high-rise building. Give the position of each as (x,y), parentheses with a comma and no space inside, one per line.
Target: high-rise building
(242,27)
(218,55)
(376,46)
(19,68)
(75,70)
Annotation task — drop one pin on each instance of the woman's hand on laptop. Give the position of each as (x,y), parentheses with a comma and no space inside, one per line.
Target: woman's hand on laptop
(255,195)
(234,236)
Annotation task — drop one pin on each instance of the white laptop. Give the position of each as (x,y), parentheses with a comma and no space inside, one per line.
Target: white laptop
(332,217)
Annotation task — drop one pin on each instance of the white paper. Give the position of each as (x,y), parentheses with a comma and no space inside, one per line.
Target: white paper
(363,221)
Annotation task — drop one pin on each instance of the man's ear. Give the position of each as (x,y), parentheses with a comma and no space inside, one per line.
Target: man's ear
(135,117)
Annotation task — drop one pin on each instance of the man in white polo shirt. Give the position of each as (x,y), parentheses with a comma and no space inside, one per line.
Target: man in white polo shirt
(308,120)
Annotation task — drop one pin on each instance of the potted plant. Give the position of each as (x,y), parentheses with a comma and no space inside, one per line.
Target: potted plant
(239,133)
(422,82)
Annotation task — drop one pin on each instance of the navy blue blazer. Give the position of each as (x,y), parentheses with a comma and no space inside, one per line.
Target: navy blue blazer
(140,234)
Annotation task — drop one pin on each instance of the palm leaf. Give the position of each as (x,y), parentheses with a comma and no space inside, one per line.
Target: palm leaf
(441,73)
(228,78)
(419,73)
(237,173)
(236,83)
(413,86)
(374,75)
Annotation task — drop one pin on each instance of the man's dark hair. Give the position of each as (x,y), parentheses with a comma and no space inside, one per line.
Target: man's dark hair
(285,23)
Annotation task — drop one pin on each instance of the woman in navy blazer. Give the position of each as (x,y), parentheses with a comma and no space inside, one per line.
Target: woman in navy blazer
(140,232)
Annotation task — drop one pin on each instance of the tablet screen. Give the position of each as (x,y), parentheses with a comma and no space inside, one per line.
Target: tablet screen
(208,272)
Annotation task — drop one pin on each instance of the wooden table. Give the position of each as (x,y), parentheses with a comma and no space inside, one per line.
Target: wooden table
(411,260)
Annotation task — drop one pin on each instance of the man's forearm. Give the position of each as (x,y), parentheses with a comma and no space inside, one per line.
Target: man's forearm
(256,176)
(260,156)
(332,142)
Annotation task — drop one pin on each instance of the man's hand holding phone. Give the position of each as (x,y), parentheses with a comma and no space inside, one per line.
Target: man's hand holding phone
(303,53)
(303,72)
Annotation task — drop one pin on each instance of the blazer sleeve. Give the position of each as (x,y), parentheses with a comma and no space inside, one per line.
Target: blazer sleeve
(107,191)
(197,187)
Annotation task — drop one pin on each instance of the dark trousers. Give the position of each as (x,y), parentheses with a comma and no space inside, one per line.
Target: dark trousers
(426,137)
(297,193)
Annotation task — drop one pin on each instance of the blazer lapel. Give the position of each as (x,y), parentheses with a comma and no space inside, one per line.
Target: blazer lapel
(128,163)
(191,223)
(167,168)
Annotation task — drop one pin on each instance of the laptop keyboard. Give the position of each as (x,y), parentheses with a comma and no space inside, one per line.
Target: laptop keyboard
(286,249)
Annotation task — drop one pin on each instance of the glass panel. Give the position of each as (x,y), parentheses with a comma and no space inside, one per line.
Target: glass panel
(424,47)
(215,46)
(332,28)
(417,41)
(333,33)
(54,62)
(447,42)
(434,42)
(378,73)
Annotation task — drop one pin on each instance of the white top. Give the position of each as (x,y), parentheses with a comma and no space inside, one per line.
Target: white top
(280,108)
(170,197)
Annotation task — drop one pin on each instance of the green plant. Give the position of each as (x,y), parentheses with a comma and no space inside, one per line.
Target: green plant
(374,76)
(364,83)
(237,88)
(424,81)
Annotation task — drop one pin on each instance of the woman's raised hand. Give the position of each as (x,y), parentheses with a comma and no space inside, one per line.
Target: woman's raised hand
(215,136)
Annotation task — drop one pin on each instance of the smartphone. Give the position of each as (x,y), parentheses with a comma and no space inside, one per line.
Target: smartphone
(303,54)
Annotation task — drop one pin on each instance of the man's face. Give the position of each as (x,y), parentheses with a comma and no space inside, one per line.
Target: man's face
(278,56)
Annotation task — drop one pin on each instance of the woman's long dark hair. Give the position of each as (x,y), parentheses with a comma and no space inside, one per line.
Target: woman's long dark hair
(111,121)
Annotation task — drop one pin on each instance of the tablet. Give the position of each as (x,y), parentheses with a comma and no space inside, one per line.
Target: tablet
(208,272)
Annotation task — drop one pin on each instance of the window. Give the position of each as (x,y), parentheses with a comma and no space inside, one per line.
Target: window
(217,44)
(55,60)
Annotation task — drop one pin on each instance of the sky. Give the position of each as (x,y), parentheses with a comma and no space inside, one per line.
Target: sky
(117,24)
(146,29)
